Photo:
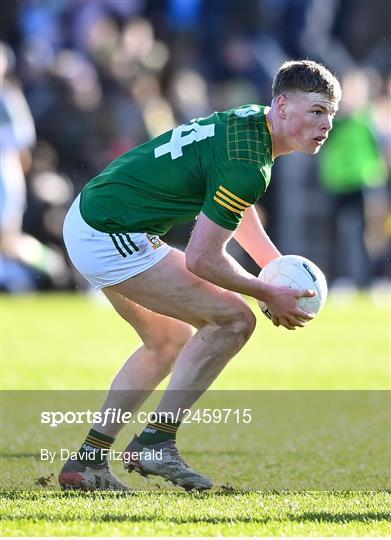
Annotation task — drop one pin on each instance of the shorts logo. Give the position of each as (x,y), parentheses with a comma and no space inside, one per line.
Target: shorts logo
(155,240)
(123,244)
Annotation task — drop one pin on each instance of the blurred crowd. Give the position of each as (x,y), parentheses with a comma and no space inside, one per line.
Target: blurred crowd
(83,81)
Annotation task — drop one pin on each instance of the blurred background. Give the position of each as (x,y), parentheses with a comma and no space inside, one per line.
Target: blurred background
(83,81)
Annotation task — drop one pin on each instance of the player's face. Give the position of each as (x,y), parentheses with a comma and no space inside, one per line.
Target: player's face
(308,121)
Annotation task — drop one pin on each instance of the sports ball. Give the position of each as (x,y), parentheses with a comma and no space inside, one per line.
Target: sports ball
(299,273)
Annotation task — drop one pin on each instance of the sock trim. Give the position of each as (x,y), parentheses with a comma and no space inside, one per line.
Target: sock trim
(101,436)
(162,427)
(96,442)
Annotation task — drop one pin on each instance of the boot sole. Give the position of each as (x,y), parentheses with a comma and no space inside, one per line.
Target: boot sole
(75,481)
(138,468)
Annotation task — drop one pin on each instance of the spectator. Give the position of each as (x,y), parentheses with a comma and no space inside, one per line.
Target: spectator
(350,165)
(23,258)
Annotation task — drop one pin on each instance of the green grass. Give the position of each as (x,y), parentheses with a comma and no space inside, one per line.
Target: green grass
(54,341)
(71,342)
(238,514)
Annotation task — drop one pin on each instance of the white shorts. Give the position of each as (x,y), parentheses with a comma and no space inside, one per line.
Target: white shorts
(107,259)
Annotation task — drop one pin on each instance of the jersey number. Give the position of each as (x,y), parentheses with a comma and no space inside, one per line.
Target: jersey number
(194,131)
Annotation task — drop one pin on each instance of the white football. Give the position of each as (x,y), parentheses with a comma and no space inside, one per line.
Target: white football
(299,273)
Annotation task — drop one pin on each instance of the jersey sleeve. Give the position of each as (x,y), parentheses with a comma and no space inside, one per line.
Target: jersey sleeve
(232,187)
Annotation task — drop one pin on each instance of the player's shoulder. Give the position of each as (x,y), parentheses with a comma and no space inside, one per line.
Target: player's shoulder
(248,118)
(241,111)
(248,136)
(245,111)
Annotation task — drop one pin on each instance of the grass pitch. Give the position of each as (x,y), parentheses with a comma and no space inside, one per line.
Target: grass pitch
(72,342)
(180,514)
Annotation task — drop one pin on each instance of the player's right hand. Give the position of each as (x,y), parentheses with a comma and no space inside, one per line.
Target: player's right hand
(283,306)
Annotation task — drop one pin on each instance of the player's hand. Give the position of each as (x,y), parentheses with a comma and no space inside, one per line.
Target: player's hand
(283,306)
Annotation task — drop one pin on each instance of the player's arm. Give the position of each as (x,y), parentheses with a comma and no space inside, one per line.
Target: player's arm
(206,257)
(251,235)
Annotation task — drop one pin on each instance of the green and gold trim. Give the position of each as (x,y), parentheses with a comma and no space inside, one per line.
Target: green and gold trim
(229,200)
(98,443)
(167,428)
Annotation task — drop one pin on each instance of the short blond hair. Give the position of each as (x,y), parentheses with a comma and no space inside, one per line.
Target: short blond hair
(306,76)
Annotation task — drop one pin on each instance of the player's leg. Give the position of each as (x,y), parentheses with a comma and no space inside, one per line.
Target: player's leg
(224,320)
(224,324)
(163,338)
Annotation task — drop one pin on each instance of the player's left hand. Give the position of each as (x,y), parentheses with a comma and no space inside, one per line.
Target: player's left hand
(284,309)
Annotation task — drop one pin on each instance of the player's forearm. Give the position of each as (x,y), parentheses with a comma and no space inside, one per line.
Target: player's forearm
(253,238)
(224,271)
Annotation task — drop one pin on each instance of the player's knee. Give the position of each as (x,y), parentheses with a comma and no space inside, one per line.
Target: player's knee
(165,347)
(240,324)
(174,344)
(245,324)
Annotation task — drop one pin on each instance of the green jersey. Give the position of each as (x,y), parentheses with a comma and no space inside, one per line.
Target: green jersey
(219,165)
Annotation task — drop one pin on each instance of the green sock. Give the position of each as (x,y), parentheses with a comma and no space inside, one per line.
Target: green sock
(158,432)
(95,448)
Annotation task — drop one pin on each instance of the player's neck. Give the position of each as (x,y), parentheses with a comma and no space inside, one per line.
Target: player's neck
(280,143)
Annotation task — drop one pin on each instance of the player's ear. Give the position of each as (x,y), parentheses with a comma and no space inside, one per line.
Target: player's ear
(281,102)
